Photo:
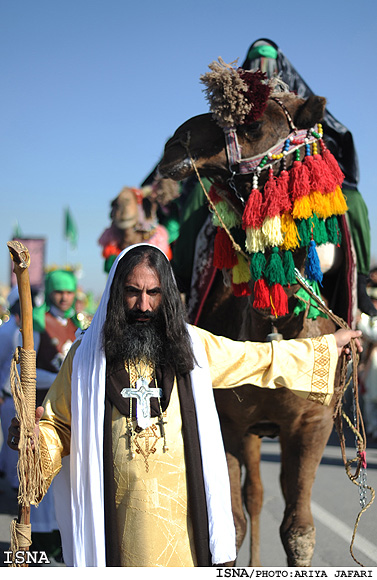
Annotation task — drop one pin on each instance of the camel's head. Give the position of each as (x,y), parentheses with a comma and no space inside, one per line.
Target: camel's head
(125,208)
(245,101)
(202,140)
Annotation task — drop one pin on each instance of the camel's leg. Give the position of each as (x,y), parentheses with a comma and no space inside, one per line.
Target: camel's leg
(240,523)
(253,494)
(302,450)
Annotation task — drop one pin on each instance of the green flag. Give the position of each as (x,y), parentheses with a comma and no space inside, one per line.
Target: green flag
(17,231)
(70,231)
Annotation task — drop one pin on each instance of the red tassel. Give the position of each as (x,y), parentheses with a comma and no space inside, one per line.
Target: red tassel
(261,295)
(271,196)
(252,215)
(283,183)
(299,183)
(224,255)
(110,250)
(279,300)
(333,167)
(320,177)
(242,289)
(213,195)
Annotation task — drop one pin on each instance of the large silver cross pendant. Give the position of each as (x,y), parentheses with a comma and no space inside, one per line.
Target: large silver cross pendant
(143,394)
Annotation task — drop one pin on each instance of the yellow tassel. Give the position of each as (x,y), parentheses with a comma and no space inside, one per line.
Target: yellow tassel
(255,241)
(338,201)
(241,272)
(272,230)
(302,208)
(321,205)
(290,232)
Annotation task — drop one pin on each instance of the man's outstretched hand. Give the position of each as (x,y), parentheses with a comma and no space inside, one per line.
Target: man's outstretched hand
(343,338)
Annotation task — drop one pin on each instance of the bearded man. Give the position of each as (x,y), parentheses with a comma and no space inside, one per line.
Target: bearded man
(132,411)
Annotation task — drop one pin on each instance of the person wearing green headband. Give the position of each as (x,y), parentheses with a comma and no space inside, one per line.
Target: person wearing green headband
(60,288)
(55,326)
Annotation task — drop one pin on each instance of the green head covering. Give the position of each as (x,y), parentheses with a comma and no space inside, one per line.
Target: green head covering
(55,281)
(59,281)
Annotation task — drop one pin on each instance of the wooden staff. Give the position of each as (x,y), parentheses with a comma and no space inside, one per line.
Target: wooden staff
(24,394)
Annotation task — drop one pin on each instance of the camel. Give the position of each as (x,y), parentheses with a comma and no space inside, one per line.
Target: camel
(134,219)
(198,147)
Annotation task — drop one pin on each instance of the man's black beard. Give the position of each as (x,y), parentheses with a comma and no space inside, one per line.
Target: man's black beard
(140,340)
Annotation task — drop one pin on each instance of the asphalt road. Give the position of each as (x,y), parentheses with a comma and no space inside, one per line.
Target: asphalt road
(335,506)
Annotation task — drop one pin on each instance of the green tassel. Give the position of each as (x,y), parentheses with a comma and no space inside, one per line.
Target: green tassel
(303,232)
(334,234)
(323,238)
(274,271)
(318,228)
(257,265)
(228,216)
(289,267)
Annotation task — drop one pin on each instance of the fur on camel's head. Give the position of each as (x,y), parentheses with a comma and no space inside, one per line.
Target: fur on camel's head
(259,127)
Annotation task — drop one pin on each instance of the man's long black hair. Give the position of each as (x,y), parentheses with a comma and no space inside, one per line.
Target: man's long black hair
(178,349)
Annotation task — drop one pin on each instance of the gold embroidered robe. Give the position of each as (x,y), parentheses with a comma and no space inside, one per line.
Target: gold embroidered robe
(151,500)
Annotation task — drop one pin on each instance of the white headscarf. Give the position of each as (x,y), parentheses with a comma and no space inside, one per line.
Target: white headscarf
(83,529)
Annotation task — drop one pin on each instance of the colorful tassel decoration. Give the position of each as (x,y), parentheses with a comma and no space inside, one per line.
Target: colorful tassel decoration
(299,182)
(283,187)
(252,215)
(241,271)
(321,204)
(297,209)
(110,250)
(290,232)
(302,208)
(334,235)
(272,200)
(224,255)
(213,195)
(289,268)
(279,300)
(319,174)
(312,266)
(332,165)
(226,215)
(271,230)
(274,271)
(338,202)
(255,240)
(318,229)
(261,295)
(257,265)
(303,232)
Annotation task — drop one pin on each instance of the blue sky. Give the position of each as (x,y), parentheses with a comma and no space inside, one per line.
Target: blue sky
(92,89)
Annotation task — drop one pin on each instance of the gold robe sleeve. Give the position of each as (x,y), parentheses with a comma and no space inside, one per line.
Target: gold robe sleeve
(305,366)
(55,425)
